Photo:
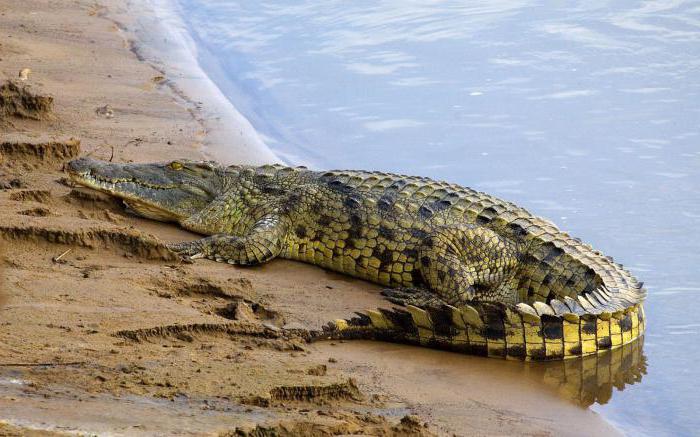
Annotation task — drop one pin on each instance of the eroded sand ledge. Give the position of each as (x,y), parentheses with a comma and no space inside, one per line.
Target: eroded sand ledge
(115,336)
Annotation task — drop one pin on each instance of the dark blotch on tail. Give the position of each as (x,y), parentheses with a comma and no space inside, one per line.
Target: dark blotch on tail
(494,315)
(552,327)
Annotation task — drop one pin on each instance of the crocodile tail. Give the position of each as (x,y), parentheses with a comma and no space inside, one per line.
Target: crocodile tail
(585,381)
(576,302)
(518,332)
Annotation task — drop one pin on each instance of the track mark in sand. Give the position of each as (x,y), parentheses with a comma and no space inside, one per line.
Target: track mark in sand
(327,423)
(90,204)
(17,100)
(248,311)
(266,336)
(19,157)
(233,299)
(10,183)
(185,285)
(93,200)
(318,370)
(51,153)
(133,243)
(318,394)
(37,212)
(39,196)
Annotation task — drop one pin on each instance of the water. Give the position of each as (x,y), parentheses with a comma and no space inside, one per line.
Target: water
(586,114)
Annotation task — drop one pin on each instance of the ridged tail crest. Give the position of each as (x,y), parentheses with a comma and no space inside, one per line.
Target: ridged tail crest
(520,332)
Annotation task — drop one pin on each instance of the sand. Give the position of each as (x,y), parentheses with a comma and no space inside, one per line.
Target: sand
(104,331)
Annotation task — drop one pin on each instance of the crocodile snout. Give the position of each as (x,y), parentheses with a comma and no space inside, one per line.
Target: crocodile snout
(80,165)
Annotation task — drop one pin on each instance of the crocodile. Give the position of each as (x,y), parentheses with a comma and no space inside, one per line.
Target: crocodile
(467,271)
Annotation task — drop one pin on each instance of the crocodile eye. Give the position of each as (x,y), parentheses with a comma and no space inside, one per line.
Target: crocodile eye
(176,165)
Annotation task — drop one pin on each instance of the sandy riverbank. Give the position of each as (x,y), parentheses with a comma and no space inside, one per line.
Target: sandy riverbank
(78,348)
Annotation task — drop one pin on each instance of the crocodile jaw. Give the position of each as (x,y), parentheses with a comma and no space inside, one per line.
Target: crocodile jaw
(131,193)
(158,198)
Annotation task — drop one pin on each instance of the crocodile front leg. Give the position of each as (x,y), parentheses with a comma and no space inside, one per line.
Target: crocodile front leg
(263,242)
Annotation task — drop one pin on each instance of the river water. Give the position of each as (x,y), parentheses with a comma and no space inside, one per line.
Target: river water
(583,112)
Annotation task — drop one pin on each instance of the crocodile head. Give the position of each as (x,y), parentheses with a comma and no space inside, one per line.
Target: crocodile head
(170,192)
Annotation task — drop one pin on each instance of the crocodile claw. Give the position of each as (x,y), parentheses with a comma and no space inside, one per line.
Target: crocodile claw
(188,250)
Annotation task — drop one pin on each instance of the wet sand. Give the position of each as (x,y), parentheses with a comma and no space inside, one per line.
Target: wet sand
(102,330)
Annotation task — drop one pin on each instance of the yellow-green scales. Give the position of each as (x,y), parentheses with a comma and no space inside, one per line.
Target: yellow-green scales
(474,273)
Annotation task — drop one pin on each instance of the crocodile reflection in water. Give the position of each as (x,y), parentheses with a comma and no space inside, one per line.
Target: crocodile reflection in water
(593,378)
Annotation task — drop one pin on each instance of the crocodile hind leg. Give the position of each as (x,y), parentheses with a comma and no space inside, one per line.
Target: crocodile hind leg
(263,242)
(458,265)
(467,263)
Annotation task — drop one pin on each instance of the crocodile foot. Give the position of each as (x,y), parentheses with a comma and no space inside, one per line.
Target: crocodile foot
(187,250)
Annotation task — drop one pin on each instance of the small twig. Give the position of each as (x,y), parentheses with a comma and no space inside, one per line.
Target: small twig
(72,363)
(111,157)
(58,258)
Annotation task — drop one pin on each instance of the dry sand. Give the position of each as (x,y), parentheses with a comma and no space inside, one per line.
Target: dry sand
(103,331)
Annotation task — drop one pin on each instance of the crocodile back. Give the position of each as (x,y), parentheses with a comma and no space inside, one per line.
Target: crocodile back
(555,265)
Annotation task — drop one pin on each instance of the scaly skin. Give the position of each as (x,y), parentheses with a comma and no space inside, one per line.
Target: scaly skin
(475,273)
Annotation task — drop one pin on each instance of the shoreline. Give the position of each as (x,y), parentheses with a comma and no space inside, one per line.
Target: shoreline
(61,319)
(162,40)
